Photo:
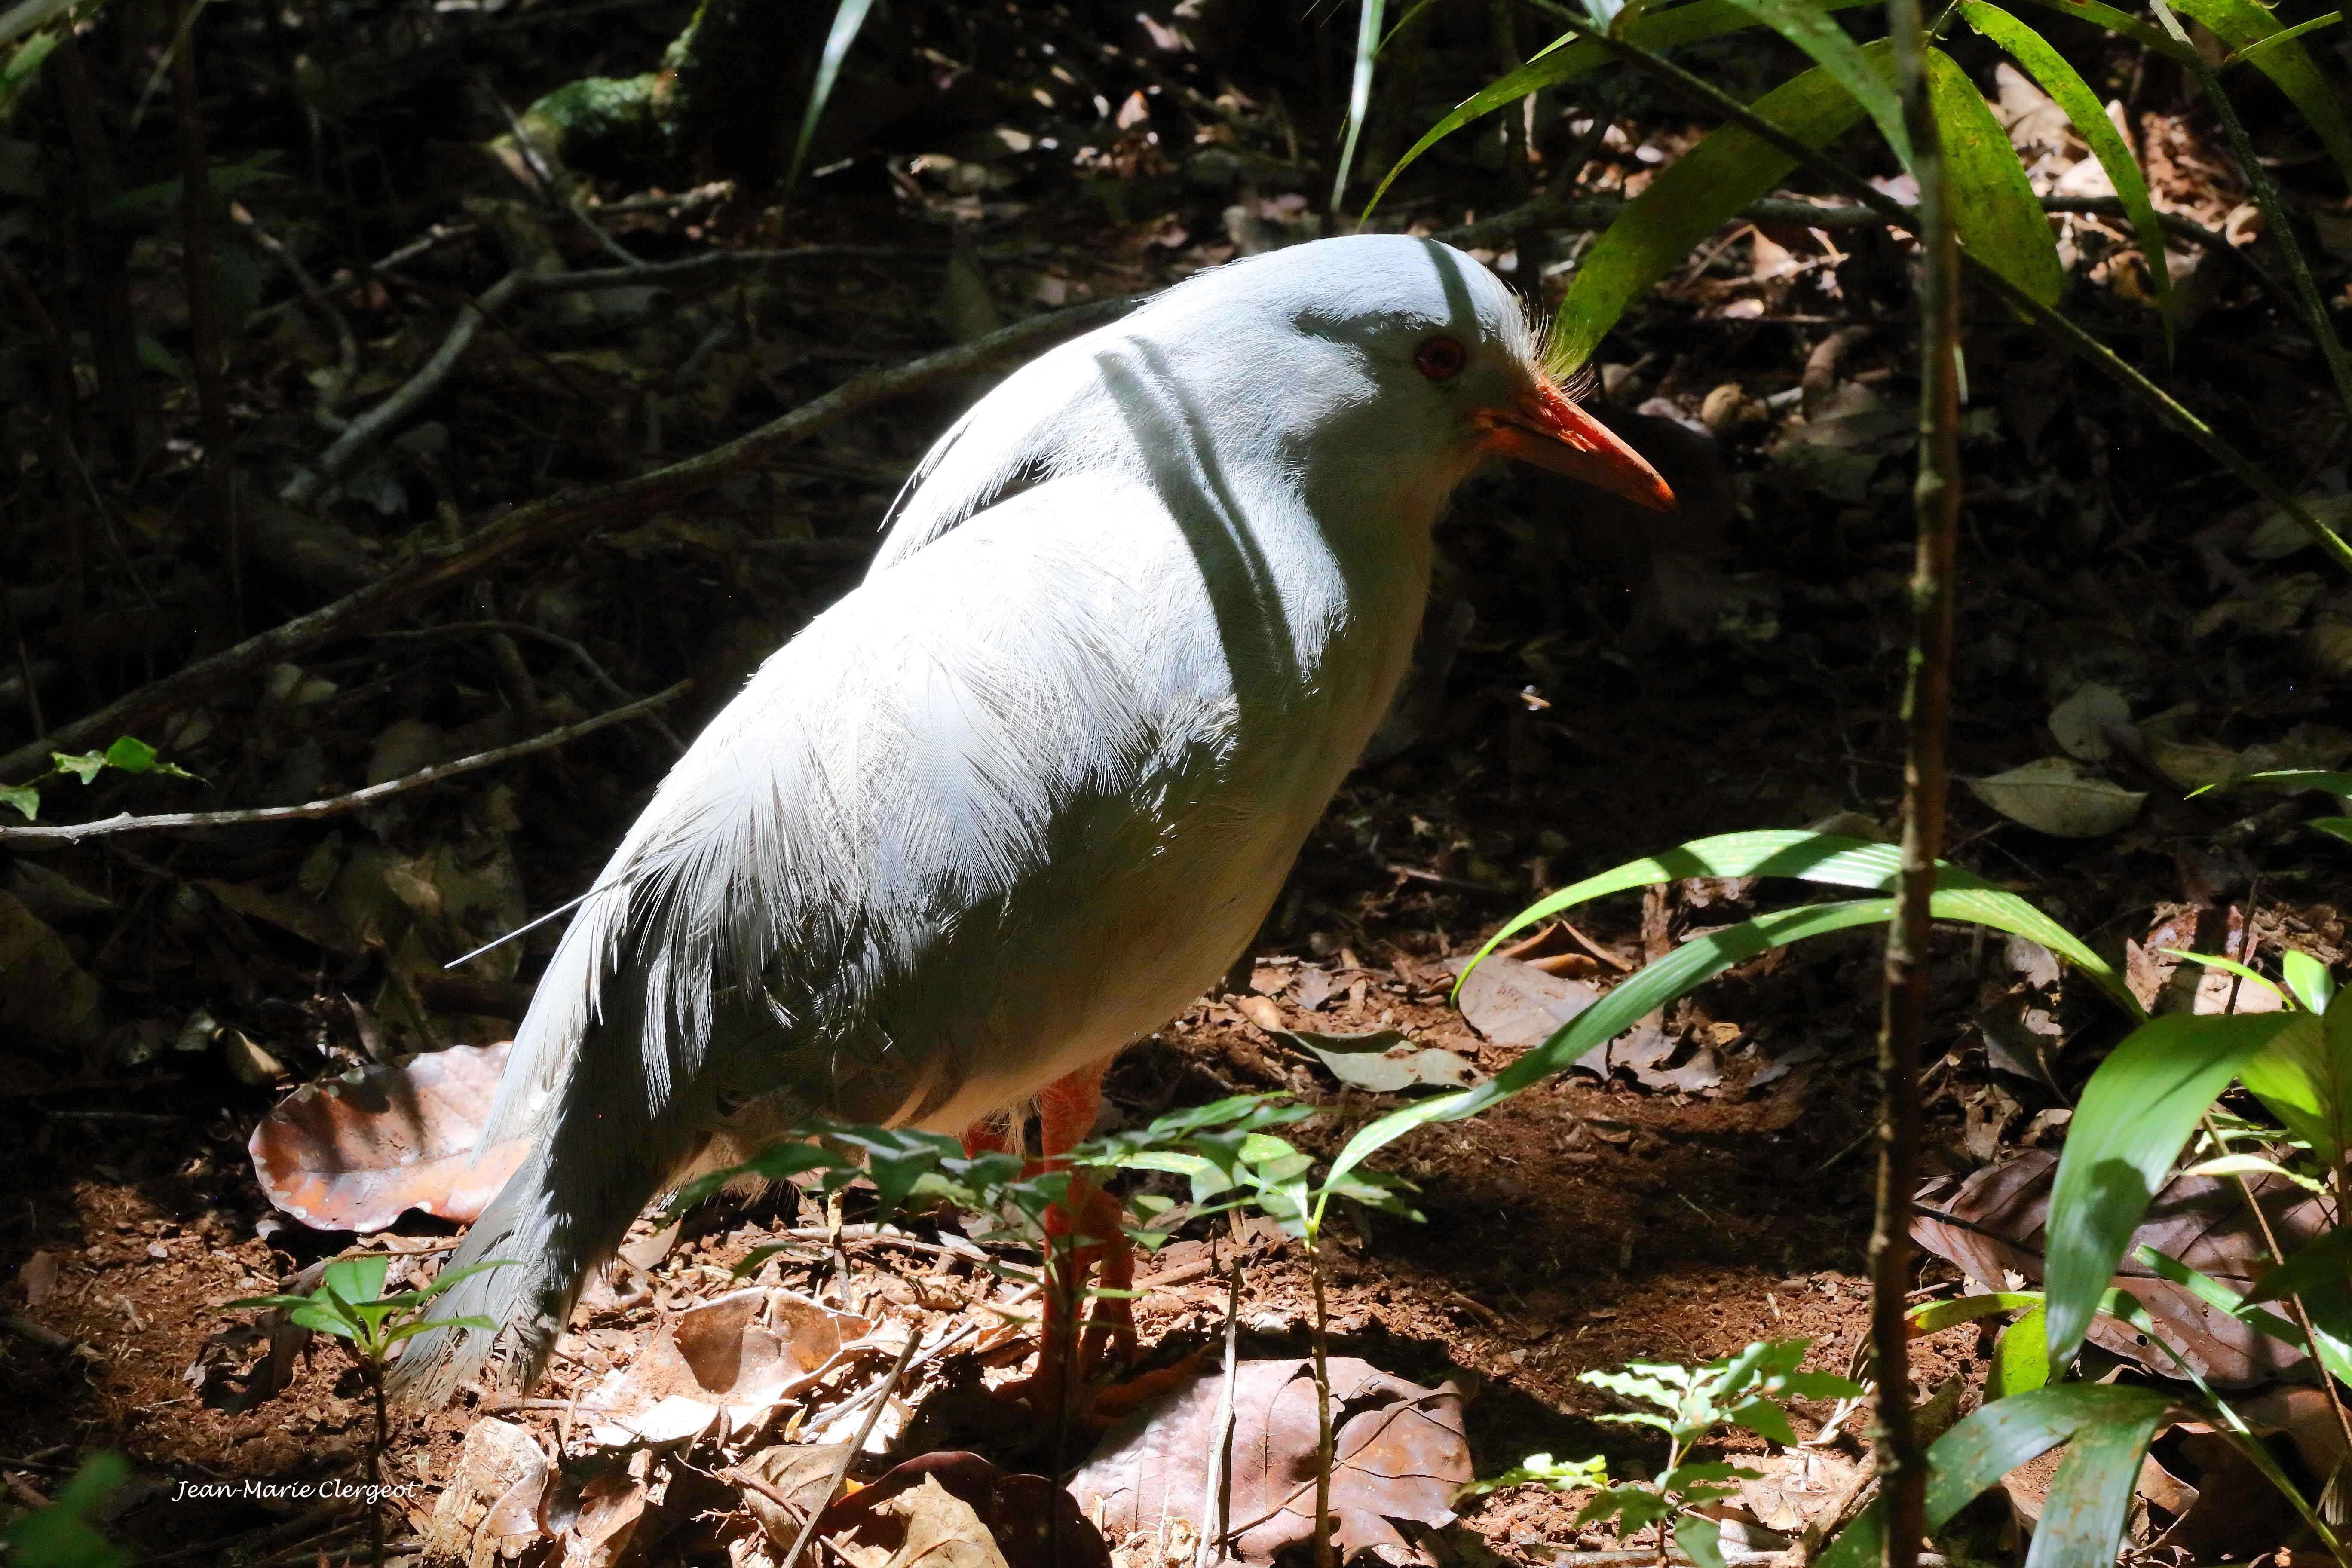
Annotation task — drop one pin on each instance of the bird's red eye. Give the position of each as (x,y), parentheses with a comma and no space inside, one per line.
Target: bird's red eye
(1441,358)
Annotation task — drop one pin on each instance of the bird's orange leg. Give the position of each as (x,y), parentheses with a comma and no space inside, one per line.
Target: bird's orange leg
(1082,1234)
(1067,1109)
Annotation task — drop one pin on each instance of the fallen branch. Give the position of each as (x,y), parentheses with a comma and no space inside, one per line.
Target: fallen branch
(545,521)
(41,834)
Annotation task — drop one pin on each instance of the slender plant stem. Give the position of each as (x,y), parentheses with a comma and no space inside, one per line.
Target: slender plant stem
(375,1466)
(2051,323)
(1326,1555)
(1900,1459)
(1217,1485)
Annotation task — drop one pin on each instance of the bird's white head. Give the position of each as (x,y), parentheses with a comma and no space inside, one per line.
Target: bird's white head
(1394,351)
(1370,373)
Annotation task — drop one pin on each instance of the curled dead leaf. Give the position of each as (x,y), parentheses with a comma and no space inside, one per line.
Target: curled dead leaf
(354,1152)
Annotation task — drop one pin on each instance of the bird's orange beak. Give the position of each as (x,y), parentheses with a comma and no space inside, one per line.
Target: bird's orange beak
(1543,425)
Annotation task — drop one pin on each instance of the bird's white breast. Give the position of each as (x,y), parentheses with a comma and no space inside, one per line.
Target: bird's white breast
(1021,798)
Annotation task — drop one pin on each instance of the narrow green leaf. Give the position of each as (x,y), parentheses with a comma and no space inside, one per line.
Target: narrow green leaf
(2333,827)
(1835,861)
(1692,197)
(1359,92)
(2227,967)
(2214,1294)
(2021,1357)
(1927,1316)
(847,19)
(2251,1166)
(2116,21)
(2295,779)
(2084,1513)
(1805,24)
(2067,86)
(1970,1459)
(1656,985)
(2252,54)
(1994,209)
(2241,25)
(2135,1112)
(1567,57)
(2301,1083)
(2308,978)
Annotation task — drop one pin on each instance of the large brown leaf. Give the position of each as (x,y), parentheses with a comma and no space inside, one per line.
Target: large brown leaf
(1401,1455)
(352,1152)
(2199,1220)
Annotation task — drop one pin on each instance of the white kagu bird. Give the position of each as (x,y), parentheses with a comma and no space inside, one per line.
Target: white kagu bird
(1025,794)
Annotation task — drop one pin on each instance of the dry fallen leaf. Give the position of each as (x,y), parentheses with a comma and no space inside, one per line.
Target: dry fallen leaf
(1384,1061)
(2201,1220)
(46,998)
(2058,796)
(490,1506)
(1021,1515)
(1515,1004)
(354,1152)
(611,1508)
(1401,1455)
(801,1474)
(730,1363)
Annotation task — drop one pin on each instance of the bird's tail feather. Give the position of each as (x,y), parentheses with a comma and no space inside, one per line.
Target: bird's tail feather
(599,1153)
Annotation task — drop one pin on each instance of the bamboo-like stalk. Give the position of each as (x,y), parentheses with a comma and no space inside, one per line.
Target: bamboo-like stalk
(1900,1458)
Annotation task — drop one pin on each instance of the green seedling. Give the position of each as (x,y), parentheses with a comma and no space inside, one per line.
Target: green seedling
(350,1305)
(1691,1406)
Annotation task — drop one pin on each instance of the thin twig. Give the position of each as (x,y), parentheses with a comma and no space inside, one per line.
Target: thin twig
(40,835)
(368,428)
(544,522)
(1216,1484)
(722,263)
(347,348)
(856,1443)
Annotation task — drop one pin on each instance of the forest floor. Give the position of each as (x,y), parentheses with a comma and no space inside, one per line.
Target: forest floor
(1596,690)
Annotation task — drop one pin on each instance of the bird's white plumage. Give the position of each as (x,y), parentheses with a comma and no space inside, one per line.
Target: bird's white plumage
(1026,791)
